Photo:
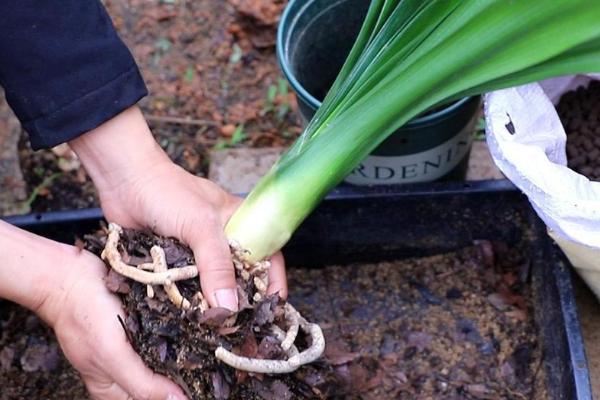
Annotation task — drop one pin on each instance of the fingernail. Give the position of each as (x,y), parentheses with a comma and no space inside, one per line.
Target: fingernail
(227,298)
(173,397)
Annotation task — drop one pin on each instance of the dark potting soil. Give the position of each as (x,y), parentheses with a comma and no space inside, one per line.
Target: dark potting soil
(452,326)
(579,111)
(31,363)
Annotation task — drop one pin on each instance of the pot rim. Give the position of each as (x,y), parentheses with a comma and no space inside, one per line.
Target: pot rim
(289,19)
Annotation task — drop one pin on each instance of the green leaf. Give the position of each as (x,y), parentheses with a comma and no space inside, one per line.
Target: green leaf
(46,183)
(238,135)
(282,111)
(163,44)
(221,145)
(39,171)
(282,87)
(271,94)
(189,74)
(236,54)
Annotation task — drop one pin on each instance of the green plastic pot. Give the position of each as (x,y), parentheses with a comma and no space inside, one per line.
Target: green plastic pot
(313,40)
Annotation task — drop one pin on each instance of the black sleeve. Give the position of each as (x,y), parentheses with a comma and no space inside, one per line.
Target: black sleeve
(63,68)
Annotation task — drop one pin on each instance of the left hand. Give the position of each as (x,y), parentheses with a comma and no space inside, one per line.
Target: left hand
(83,314)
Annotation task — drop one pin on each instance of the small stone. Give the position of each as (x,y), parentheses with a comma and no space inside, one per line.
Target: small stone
(442,386)
(227,130)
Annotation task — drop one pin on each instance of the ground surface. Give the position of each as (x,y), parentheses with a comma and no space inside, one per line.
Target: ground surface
(12,187)
(31,362)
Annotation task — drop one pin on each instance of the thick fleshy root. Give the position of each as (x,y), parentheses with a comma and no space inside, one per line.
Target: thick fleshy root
(154,273)
(293,319)
(160,265)
(296,359)
(158,273)
(259,273)
(112,255)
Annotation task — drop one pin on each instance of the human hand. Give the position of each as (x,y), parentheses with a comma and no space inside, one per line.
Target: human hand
(140,187)
(65,287)
(83,314)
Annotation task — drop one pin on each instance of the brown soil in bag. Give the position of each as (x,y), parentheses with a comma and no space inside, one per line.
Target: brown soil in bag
(579,111)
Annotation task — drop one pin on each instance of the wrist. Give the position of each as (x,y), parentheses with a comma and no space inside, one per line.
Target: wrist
(34,269)
(119,152)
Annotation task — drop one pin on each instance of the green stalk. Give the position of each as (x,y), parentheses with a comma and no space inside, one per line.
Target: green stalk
(409,57)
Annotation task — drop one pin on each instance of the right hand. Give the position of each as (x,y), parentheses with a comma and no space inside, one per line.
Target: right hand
(140,187)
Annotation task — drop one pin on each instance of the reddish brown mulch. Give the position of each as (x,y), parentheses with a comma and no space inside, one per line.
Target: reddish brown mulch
(579,111)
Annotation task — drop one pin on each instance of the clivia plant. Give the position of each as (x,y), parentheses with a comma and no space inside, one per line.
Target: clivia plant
(410,56)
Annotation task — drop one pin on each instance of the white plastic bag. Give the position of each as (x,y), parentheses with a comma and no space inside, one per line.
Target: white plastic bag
(528,143)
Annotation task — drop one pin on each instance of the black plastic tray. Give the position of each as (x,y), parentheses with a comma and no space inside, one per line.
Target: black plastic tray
(363,224)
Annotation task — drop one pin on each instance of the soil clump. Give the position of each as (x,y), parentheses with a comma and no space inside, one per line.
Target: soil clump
(579,111)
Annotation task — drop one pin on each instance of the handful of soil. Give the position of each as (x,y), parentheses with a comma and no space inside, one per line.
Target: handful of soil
(579,111)
(191,343)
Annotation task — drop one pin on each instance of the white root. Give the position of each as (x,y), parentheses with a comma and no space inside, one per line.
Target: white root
(146,266)
(202,303)
(149,288)
(293,319)
(295,359)
(260,285)
(155,273)
(255,365)
(317,346)
(160,265)
(112,255)
(280,335)
(158,273)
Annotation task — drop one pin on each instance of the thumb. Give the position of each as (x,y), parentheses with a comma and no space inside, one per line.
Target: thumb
(215,267)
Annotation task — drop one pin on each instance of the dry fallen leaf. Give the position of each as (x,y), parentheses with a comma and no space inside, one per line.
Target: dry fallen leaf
(221,388)
(337,353)
(481,391)
(116,282)
(7,355)
(264,12)
(215,316)
(249,346)
(40,357)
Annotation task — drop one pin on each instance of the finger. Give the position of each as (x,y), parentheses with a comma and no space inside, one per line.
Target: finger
(107,391)
(277,278)
(217,275)
(129,372)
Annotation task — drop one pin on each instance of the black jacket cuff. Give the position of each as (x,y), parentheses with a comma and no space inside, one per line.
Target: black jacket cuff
(88,111)
(63,67)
